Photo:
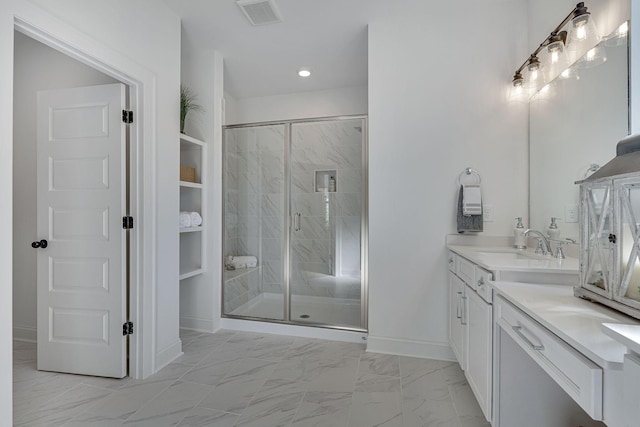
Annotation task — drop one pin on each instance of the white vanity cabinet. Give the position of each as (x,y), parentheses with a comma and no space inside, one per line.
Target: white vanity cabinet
(470,326)
(479,349)
(630,393)
(457,324)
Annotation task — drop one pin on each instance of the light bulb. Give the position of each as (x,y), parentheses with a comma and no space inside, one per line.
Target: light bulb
(581,33)
(304,72)
(623,29)
(554,57)
(533,75)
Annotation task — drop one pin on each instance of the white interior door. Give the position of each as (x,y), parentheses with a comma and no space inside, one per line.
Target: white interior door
(81,202)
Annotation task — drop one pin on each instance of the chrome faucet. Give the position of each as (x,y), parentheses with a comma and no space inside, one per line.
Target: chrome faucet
(541,237)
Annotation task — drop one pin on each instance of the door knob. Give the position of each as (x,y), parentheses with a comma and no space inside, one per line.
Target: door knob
(41,244)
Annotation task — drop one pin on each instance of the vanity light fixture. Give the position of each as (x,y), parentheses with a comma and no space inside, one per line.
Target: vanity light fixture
(304,72)
(580,36)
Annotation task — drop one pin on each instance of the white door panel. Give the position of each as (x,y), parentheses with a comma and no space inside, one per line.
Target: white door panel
(81,202)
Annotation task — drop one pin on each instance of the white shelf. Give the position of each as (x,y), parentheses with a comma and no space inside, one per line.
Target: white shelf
(190,140)
(191,273)
(191,229)
(193,153)
(190,184)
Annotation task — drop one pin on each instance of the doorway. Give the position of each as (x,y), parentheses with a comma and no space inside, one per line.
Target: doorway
(39,67)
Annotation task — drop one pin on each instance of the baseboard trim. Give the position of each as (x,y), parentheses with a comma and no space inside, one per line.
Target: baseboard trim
(424,349)
(168,355)
(25,333)
(198,324)
(291,330)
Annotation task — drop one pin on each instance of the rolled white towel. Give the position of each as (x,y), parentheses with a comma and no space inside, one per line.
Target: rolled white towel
(185,219)
(245,261)
(196,219)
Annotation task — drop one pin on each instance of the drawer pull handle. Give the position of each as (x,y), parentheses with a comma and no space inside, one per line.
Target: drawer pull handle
(463,318)
(458,315)
(481,282)
(518,330)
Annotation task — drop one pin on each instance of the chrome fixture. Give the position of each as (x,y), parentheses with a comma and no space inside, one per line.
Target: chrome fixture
(541,238)
(561,48)
(559,253)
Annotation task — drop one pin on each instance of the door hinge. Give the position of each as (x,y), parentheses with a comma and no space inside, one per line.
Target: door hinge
(127,116)
(127,328)
(127,222)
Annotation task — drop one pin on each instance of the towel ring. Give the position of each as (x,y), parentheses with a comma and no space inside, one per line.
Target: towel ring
(467,175)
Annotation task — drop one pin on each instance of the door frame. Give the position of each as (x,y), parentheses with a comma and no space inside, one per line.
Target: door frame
(142,172)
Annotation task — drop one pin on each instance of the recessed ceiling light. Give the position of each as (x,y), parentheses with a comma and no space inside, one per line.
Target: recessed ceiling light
(304,72)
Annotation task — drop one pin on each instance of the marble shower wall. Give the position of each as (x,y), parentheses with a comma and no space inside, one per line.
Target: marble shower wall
(329,240)
(254,208)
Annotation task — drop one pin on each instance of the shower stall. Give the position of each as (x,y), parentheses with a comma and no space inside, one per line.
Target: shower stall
(295,198)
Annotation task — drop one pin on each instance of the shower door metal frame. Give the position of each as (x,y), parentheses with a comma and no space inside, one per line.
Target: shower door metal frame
(364,223)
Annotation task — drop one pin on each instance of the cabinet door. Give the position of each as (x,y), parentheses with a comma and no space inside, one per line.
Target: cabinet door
(457,318)
(480,350)
(631,411)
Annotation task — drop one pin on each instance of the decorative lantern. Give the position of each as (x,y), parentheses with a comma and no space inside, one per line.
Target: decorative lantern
(610,231)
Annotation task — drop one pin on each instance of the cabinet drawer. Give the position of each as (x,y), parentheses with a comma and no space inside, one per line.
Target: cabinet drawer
(580,378)
(452,262)
(482,284)
(466,271)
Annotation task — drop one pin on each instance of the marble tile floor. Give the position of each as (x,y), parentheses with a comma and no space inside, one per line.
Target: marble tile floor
(243,379)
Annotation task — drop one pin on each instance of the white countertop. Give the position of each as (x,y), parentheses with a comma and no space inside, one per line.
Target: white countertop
(508,259)
(576,321)
(628,335)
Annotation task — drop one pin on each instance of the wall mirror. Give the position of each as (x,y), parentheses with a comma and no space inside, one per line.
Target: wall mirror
(575,123)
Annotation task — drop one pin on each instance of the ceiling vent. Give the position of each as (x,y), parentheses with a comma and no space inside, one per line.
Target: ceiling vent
(260,12)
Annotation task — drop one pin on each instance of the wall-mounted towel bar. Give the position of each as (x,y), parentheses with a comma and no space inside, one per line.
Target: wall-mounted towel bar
(469,177)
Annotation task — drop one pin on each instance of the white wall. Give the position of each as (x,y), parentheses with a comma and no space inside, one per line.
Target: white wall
(36,67)
(302,105)
(437,104)
(142,41)
(202,72)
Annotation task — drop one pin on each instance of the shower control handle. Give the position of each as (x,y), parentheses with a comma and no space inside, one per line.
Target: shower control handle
(296,221)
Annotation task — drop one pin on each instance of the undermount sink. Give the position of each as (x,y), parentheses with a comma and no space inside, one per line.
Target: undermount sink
(507,255)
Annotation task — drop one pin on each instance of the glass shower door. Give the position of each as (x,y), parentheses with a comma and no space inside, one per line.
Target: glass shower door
(326,187)
(254,222)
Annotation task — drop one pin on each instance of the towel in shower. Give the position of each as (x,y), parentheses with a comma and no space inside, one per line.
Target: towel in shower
(471,200)
(467,223)
(185,219)
(196,219)
(246,261)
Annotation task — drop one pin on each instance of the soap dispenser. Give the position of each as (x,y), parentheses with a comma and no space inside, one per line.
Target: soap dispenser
(553,231)
(519,241)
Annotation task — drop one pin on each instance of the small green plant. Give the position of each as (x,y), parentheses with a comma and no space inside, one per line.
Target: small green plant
(187,103)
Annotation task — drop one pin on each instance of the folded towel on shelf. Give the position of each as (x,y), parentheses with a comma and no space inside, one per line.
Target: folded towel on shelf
(471,200)
(185,219)
(196,219)
(245,261)
(467,223)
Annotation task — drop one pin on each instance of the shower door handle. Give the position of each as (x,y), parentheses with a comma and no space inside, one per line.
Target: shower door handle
(296,221)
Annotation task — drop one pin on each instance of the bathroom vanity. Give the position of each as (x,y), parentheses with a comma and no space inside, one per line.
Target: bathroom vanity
(471,269)
(533,353)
